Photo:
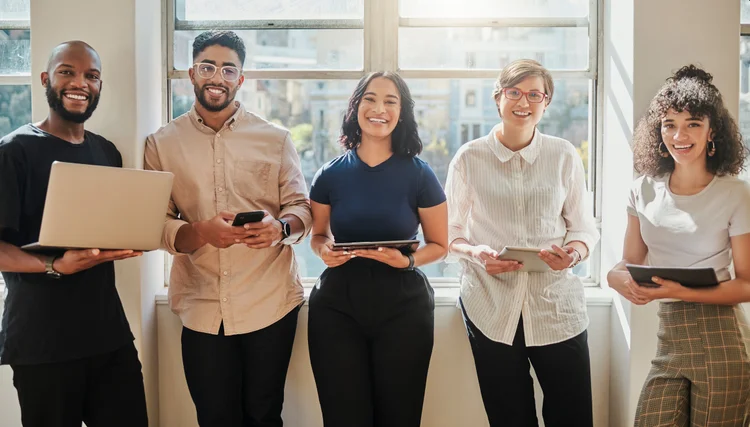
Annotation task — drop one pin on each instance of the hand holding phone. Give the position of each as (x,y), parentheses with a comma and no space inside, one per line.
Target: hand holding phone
(243,218)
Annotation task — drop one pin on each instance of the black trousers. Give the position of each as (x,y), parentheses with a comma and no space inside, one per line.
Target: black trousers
(563,370)
(102,391)
(238,380)
(371,331)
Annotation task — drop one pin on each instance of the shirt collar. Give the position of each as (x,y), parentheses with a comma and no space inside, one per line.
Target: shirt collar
(528,153)
(230,123)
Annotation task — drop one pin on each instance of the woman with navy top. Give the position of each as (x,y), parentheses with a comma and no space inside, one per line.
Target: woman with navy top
(371,315)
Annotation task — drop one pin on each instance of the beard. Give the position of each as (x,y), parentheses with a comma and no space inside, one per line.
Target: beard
(56,104)
(200,96)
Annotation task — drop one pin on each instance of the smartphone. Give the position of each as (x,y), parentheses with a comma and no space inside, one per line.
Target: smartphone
(243,218)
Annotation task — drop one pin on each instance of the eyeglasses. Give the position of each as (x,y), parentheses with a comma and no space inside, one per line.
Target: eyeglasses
(533,96)
(228,73)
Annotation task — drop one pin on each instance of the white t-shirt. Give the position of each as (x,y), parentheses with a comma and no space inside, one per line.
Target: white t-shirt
(691,231)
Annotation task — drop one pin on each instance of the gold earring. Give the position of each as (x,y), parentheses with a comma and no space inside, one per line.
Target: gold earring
(712,150)
(664,153)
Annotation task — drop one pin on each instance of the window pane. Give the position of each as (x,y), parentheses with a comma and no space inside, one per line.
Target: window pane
(493,8)
(14,9)
(14,52)
(313,111)
(556,48)
(265,9)
(293,49)
(15,107)
(745,16)
(744,115)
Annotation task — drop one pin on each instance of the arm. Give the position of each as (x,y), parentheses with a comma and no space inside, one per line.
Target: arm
(435,228)
(460,198)
(634,252)
(322,238)
(14,260)
(295,206)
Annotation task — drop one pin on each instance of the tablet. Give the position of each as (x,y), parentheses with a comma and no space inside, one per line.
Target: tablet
(529,257)
(690,277)
(398,244)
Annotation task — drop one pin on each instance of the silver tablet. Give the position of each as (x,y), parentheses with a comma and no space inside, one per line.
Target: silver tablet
(529,257)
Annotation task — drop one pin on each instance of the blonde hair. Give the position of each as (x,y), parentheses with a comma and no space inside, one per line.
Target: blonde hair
(517,71)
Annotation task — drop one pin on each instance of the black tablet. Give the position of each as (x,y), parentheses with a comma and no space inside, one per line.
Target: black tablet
(690,277)
(398,244)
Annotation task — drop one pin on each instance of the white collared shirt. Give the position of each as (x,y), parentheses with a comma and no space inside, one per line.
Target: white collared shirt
(534,197)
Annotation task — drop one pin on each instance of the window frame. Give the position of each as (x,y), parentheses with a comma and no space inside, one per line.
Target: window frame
(380,23)
(21,79)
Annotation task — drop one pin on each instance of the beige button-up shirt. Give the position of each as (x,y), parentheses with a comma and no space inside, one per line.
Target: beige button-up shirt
(534,197)
(250,164)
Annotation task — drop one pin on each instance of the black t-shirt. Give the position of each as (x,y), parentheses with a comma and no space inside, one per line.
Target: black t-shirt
(46,319)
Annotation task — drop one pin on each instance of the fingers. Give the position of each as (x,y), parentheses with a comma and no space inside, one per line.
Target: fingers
(562,253)
(502,266)
(227,216)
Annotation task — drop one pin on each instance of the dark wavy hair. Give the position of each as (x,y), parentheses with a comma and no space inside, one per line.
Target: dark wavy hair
(689,89)
(225,38)
(405,139)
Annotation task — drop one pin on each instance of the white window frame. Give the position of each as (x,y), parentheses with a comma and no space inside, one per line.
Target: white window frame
(381,25)
(13,80)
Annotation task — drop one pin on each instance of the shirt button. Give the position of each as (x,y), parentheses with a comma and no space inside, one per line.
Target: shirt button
(224,299)
(218,135)
(218,160)
(219,189)
(226,273)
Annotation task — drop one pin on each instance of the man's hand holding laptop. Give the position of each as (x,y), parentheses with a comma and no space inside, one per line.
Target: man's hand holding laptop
(75,260)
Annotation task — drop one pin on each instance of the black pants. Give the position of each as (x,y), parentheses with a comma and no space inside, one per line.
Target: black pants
(238,380)
(371,330)
(102,391)
(563,370)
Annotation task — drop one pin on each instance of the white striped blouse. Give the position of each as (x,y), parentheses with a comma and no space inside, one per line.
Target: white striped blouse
(534,197)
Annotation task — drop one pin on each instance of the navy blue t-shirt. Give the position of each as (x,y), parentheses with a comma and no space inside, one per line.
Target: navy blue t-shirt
(375,203)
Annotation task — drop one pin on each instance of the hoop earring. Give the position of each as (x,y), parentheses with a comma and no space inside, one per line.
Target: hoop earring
(712,150)
(664,153)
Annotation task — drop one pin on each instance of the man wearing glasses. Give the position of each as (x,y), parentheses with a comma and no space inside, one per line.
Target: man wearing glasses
(235,288)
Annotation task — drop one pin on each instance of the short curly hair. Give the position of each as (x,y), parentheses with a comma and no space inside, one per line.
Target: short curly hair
(689,89)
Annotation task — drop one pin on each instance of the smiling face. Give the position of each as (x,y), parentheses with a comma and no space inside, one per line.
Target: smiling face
(521,113)
(73,82)
(685,136)
(215,93)
(379,109)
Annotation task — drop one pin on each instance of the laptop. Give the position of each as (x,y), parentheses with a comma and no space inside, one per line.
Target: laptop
(103,207)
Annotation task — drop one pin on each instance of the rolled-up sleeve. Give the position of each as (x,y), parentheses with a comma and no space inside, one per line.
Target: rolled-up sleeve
(172,223)
(459,197)
(579,218)
(292,187)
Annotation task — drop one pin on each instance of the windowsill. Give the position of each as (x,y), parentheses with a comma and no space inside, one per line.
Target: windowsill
(448,295)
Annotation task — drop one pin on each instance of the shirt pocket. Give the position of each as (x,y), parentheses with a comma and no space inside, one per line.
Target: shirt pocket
(251,179)
(545,209)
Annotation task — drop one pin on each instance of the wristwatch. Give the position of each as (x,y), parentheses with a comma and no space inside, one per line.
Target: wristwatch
(48,268)
(411,262)
(286,229)
(577,258)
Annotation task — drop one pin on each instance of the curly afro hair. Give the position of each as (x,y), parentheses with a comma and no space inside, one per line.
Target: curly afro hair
(689,89)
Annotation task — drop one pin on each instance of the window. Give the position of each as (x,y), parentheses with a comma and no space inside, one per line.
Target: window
(15,67)
(744,112)
(303,62)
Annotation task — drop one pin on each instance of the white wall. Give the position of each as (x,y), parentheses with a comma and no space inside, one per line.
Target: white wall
(644,42)
(127,35)
(452,397)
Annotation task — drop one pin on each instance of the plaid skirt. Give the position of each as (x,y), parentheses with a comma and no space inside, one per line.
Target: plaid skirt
(701,374)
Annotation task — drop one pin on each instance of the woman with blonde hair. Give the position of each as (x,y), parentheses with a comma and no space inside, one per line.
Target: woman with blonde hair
(519,187)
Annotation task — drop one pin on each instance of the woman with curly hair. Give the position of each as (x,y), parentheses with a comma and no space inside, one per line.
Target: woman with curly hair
(371,317)
(689,209)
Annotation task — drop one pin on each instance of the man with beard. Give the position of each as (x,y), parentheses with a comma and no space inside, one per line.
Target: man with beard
(235,288)
(64,331)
